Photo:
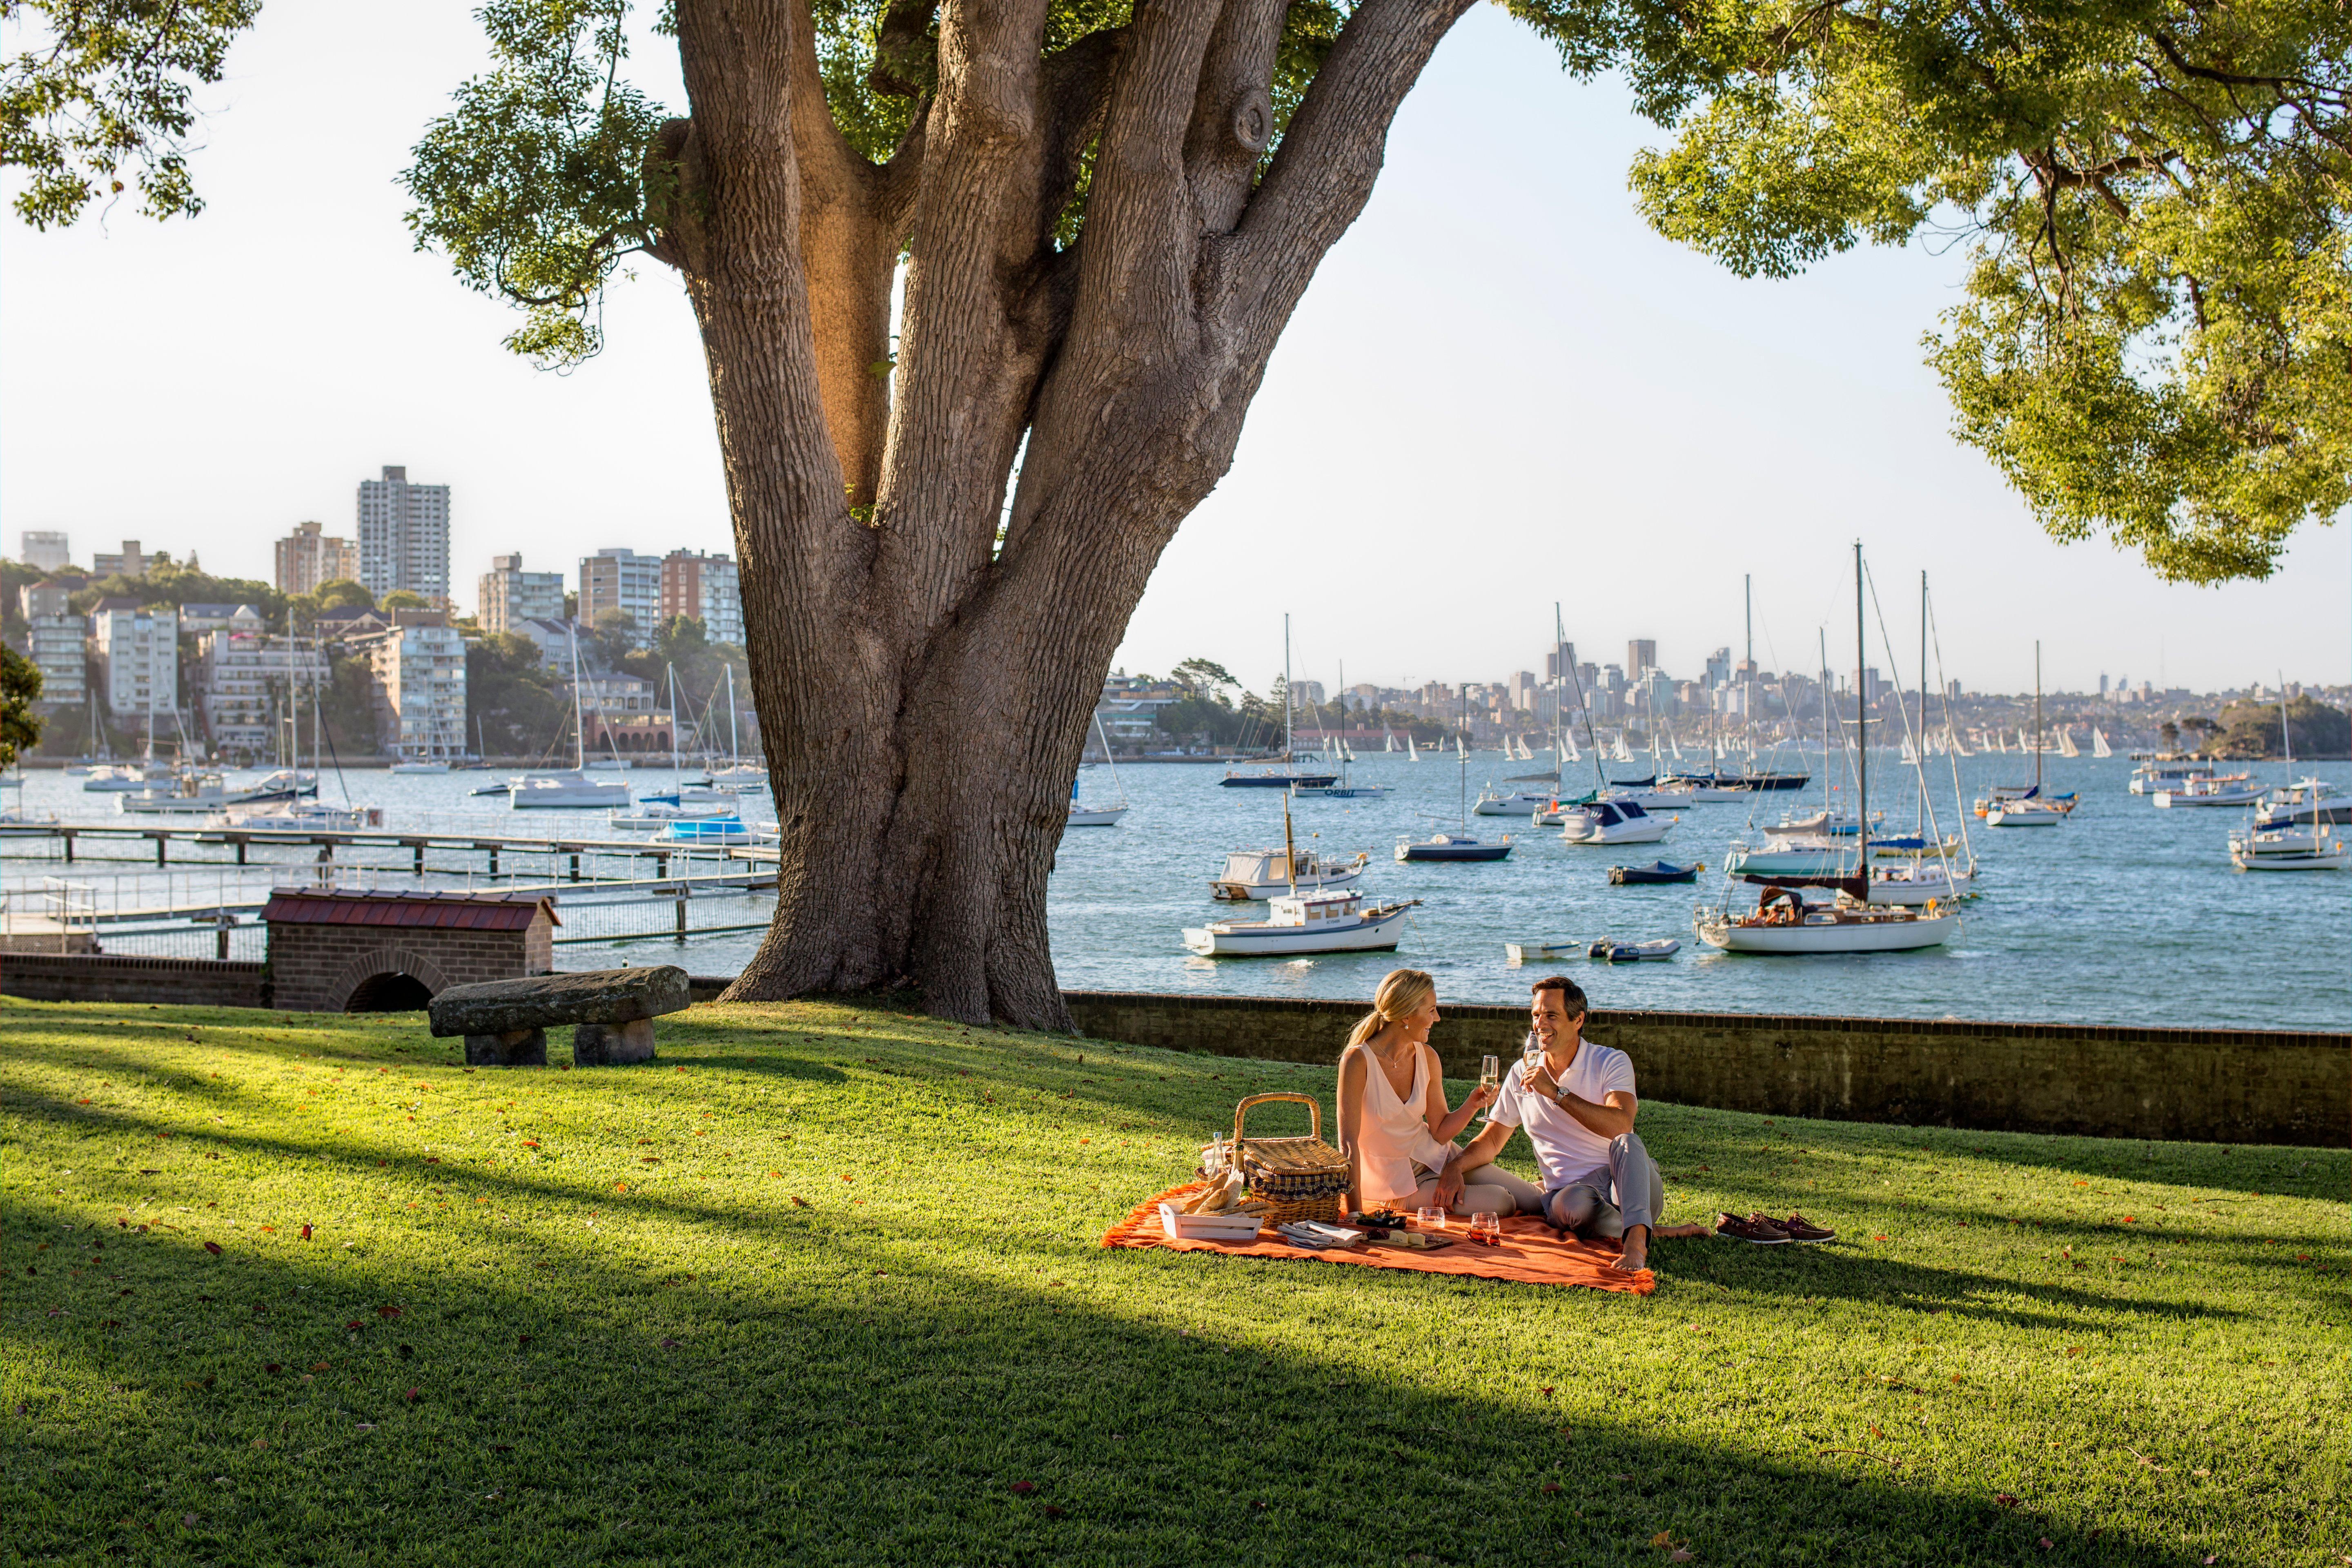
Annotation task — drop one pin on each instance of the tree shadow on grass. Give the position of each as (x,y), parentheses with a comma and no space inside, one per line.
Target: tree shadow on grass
(888,1411)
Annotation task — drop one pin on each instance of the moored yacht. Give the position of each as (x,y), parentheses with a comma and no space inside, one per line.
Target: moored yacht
(1330,920)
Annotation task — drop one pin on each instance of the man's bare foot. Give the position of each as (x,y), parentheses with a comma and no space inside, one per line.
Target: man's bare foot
(1636,1255)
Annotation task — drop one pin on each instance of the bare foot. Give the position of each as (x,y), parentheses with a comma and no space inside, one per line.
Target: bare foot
(1636,1254)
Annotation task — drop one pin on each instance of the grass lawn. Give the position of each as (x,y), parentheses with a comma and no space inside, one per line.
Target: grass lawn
(298,1287)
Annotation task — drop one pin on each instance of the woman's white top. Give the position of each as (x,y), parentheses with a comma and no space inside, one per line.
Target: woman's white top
(1392,1136)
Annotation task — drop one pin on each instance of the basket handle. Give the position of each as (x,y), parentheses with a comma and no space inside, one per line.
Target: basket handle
(1314,1111)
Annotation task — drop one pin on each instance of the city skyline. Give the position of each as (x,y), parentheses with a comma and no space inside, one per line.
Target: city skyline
(1544,436)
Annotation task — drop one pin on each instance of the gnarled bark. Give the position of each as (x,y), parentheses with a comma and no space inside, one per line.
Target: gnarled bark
(924,686)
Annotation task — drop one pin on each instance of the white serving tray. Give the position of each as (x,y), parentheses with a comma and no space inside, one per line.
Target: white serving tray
(1207,1227)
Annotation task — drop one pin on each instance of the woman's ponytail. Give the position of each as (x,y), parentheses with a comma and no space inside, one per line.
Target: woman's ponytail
(1403,993)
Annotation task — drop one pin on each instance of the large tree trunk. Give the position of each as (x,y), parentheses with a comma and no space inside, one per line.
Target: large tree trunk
(926,664)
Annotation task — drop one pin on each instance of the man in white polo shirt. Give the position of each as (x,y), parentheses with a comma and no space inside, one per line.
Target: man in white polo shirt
(1578,1109)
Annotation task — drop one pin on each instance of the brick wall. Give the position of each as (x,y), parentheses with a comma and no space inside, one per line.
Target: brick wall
(96,977)
(2228,1086)
(316,967)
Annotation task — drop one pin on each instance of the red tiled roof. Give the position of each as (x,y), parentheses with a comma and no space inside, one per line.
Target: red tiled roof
(443,912)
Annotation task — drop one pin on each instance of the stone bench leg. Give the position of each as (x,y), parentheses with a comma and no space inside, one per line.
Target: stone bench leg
(610,1045)
(514,1049)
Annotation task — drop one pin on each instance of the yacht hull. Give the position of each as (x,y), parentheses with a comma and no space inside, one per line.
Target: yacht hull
(1832,935)
(1379,932)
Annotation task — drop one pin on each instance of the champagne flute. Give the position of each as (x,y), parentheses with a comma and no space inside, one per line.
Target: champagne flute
(1490,1072)
(1534,1057)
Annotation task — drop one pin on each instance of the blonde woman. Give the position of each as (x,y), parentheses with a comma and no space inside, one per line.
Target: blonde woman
(1394,1122)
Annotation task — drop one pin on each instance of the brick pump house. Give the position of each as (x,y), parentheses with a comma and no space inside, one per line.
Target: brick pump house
(335,951)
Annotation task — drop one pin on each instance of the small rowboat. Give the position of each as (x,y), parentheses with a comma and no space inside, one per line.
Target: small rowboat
(1520,952)
(1656,872)
(1633,951)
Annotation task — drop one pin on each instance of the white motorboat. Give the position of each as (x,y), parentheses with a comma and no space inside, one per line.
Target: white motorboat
(2153,775)
(2318,847)
(1254,874)
(567,792)
(1821,824)
(283,782)
(1791,857)
(300,815)
(1332,921)
(1611,950)
(195,793)
(434,766)
(655,815)
(1520,803)
(2234,789)
(2028,812)
(1921,882)
(124,777)
(1518,953)
(1702,789)
(1613,822)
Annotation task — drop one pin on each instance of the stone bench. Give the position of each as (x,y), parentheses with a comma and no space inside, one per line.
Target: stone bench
(505,1022)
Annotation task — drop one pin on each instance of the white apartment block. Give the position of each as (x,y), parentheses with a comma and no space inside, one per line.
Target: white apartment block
(618,579)
(310,557)
(44,550)
(139,653)
(511,596)
(54,644)
(405,536)
(709,588)
(249,684)
(416,678)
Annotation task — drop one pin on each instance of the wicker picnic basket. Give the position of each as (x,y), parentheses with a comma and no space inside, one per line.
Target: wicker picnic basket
(1298,1178)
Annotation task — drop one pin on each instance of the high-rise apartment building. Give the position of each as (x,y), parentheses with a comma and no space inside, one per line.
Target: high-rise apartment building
(53,641)
(129,562)
(308,557)
(416,682)
(139,652)
(511,596)
(1641,654)
(405,536)
(706,587)
(43,551)
(623,580)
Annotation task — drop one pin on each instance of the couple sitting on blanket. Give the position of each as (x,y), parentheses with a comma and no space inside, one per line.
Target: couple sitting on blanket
(1576,1107)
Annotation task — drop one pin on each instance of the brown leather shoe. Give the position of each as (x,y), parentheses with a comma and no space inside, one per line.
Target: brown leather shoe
(1756,1228)
(1799,1228)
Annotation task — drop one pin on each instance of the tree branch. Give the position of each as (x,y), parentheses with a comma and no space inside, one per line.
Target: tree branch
(1232,111)
(1330,155)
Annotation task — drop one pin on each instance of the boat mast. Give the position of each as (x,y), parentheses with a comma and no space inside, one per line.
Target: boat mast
(1822,634)
(1922,758)
(1289,698)
(579,725)
(1289,853)
(1861,736)
(677,774)
(2037,717)
(734,746)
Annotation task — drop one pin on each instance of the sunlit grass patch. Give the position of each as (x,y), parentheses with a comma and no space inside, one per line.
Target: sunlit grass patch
(822,1283)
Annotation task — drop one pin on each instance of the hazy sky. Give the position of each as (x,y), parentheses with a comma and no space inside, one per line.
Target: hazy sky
(1502,390)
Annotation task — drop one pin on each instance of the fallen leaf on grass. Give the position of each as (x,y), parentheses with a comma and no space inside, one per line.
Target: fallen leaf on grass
(1050,1511)
(1663,1538)
(272,1368)
(214,1247)
(387,1312)
(306,1233)
(1022,1488)
(670,1344)
(2005,1500)
(2046,1544)
(1551,1487)
(411,1396)
(1679,1555)
(261,1442)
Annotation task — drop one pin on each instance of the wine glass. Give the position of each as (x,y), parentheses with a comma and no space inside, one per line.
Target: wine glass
(1490,1072)
(1429,1218)
(1487,1224)
(1534,1057)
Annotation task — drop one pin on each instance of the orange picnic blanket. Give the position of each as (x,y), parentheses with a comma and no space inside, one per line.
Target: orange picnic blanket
(1531,1253)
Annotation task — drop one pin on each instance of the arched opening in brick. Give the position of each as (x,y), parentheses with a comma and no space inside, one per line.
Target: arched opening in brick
(389,993)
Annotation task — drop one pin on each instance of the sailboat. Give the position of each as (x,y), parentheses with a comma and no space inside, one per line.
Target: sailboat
(2099,747)
(1457,845)
(574,790)
(737,775)
(2066,747)
(1346,788)
(1288,777)
(1099,815)
(1783,923)
(1412,752)
(2008,807)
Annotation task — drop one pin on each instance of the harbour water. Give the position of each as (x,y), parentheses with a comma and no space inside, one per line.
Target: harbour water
(2124,914)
